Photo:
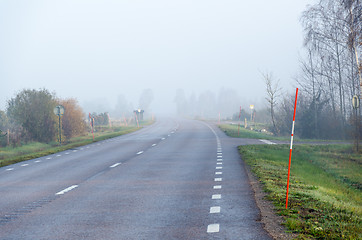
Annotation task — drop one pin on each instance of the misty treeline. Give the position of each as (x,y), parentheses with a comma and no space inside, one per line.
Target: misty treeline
(29,116)
(207,104)
(329,75)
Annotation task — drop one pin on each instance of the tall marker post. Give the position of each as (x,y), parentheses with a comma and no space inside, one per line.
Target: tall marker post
(291,147)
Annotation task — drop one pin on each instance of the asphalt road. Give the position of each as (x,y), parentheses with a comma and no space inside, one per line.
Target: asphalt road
(176,179)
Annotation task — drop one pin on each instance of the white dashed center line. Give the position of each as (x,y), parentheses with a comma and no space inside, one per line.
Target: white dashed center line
(115,165)
(219,163)
(218,179)
(217,187)
(216,196)
(37,161)
(66,190)
(218,173)
(10,169)
(213,228)
(154,144)
(59,155)
(140,152)
(215,209)
(218,168)
(24,165)
(219,160)
(49,158)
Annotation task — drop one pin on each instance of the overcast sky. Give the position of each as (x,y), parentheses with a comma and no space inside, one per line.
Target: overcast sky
(97,50)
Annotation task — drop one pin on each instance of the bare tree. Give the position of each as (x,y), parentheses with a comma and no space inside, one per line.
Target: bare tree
(273,92)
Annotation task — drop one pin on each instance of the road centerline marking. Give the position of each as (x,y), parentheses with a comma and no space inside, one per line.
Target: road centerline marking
(24,165)
(217,187)
(218,173)
(140,152)
(216,196)
(115,165)
(218,179)
(213,228)
(215,209)
(66,190)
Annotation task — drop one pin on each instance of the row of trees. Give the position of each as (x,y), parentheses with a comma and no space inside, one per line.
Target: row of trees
(207,104)
(29,116)
(330,73)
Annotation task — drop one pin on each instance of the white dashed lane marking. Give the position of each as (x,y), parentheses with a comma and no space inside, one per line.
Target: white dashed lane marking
(140,152)
(218,168)
(213,228)
(37,161)
(24,165)
(216,196)
(49,158)
(66,190)
(215,209)
(219,163)
(154,144)
(218,173)
(218,179)
(217,187)
(115,165)
(59,155)
(9,169)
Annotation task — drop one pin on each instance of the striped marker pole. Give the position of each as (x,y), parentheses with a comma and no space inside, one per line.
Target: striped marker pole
(291,147)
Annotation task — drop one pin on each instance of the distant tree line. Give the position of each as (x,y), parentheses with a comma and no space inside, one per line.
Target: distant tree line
(29,116)
(329,76)
(207,104)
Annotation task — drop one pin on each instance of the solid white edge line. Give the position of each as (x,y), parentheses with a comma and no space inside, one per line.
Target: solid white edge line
(213,228)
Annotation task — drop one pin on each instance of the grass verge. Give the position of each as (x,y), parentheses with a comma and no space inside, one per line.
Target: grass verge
(232,131)
(10,155)
(325,187)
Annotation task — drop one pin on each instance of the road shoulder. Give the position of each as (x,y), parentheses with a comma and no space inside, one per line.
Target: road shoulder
(271,221)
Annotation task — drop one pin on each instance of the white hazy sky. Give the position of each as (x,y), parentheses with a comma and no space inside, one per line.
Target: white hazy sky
(99,49)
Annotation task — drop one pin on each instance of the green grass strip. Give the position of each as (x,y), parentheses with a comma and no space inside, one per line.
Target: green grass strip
(325,187)
(10,155)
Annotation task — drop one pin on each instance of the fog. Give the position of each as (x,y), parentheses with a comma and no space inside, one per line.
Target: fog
(121,55)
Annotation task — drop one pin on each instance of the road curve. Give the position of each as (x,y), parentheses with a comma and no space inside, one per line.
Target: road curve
(176,179)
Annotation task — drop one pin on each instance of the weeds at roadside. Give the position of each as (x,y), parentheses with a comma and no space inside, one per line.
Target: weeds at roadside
(324,199)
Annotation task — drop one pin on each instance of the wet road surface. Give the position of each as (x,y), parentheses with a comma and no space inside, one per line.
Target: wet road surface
(176,179)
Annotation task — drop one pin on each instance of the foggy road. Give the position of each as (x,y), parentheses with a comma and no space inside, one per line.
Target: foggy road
(176,179)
